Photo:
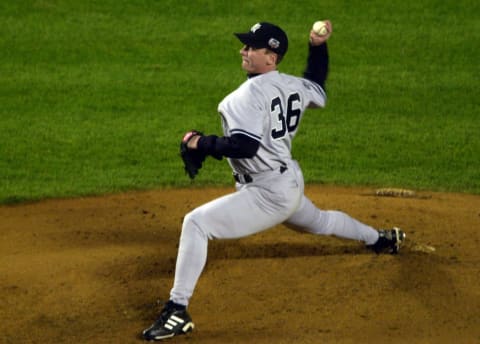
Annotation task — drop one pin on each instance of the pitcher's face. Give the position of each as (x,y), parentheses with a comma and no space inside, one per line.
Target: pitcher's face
(257,60)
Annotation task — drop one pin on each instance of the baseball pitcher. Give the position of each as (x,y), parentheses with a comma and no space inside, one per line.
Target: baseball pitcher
(259,119)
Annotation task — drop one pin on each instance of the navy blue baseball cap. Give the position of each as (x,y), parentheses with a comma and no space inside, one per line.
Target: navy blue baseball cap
(265,35)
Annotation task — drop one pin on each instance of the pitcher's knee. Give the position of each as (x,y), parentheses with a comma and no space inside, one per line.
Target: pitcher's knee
(193,224)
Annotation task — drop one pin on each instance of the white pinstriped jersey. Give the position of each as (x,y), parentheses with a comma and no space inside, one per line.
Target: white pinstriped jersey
(268,108)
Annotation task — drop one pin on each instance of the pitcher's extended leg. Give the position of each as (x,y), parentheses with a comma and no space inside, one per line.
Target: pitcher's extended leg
(311,219)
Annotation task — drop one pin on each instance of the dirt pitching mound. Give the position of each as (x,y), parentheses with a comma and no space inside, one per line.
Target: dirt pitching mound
(97,270)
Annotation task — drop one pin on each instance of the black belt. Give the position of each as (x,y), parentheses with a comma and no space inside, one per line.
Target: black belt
(247,178)
(242,178)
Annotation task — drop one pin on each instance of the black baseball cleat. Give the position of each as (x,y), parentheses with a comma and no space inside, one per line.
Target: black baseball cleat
(389,241)
(173,321)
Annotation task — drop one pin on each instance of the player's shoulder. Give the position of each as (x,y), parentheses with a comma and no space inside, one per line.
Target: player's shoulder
(257,84)
(266,81)
(274,80)
(306,85)
(283,78)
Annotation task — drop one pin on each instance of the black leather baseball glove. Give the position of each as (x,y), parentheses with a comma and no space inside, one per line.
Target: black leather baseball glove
(192,158)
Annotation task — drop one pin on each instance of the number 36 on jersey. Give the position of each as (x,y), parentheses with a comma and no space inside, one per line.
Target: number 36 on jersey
(285,117)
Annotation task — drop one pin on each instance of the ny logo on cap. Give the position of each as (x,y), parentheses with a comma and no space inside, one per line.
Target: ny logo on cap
(255,27)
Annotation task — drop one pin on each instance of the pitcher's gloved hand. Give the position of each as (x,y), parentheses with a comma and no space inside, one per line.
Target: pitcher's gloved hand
(192,158)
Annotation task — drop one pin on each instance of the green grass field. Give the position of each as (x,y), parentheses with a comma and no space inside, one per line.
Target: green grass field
(95,96)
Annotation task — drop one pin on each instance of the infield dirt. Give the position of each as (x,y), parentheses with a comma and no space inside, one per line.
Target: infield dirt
(97,270)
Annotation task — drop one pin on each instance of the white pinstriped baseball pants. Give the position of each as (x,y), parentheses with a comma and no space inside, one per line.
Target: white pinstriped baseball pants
(271,199)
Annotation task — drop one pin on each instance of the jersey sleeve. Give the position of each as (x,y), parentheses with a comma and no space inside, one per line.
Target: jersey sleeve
(314,94)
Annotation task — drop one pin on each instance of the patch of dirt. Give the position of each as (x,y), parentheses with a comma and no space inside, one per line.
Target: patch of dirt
(97,270)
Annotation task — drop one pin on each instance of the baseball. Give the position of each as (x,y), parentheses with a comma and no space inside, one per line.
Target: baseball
(320,28)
